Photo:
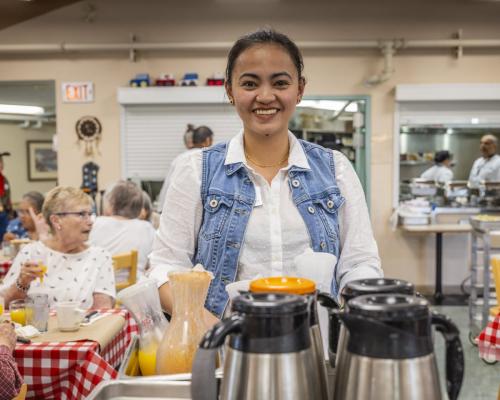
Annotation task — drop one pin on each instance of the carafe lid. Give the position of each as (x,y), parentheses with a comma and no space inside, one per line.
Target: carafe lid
(390,307)
(272,323)
(269,304)
(283,284)
(376,285)
(392,326)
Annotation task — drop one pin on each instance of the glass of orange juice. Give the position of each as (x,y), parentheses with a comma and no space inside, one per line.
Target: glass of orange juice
(44,270)
(17,310)
(2,305)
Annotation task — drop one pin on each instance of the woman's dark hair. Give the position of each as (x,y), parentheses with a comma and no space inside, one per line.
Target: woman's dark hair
(35,199)
(201,134)
(441,156)
(263,36)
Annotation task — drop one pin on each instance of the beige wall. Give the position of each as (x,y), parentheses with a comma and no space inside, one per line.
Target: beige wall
(328,73)
(13,139)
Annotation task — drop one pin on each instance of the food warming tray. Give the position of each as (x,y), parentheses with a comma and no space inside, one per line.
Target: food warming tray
(485,223)
(141,389)
(129,368)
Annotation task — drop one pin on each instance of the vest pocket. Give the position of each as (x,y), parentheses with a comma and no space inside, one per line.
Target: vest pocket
(216,212)
(327,207)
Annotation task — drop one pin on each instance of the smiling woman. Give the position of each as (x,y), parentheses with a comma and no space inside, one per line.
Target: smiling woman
(266,196)
(64,266)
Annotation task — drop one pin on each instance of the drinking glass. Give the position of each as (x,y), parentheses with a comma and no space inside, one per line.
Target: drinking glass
(37,311)
(7,249)
(17,309)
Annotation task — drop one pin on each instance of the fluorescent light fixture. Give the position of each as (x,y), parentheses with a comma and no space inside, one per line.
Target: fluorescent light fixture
(474,121)
(16,109)
(331,105)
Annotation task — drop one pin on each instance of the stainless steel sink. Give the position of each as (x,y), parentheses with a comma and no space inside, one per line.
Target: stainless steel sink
(141,389)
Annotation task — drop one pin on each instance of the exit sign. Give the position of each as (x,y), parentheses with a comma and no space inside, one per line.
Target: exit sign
(78,92)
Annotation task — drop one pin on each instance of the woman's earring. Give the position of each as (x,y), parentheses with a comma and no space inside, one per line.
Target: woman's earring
(231,100)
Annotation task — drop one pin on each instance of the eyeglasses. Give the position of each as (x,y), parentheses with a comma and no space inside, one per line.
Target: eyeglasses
(84,215)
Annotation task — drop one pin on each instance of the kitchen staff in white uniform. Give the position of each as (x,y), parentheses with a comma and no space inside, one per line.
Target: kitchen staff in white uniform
(441,171)
(486,167)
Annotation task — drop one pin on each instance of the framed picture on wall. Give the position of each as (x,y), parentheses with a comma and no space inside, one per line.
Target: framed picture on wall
(42,160)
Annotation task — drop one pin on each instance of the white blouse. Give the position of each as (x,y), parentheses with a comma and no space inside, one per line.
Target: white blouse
(276,233)
(69,277)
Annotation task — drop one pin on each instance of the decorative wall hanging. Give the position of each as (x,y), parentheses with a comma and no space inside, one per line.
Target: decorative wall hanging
(89,178)
(88,129)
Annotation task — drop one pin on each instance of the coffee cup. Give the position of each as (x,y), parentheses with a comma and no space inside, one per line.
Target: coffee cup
(69,316)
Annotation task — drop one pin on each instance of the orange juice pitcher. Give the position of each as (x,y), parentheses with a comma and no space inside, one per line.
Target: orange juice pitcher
(179,344)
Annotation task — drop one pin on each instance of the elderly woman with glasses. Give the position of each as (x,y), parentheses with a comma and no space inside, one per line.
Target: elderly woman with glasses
(64,266)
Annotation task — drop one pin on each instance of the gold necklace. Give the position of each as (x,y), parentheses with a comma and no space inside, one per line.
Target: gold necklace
(267,166)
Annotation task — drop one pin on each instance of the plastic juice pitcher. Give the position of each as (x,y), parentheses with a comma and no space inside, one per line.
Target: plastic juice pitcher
(187,326)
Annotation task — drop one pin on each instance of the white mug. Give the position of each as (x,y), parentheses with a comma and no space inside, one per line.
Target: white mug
(69,316)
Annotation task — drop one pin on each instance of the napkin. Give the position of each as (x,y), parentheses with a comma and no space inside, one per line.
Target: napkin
(318,267)
(27,331)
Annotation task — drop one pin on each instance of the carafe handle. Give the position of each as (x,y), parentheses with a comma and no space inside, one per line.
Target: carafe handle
(328,301)
(454,353)
(203,382)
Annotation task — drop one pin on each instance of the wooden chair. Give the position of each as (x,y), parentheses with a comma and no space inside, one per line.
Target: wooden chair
(22,393)
(495,267)
(126,261)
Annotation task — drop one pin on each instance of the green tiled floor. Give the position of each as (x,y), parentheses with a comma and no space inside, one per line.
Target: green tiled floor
(481,381)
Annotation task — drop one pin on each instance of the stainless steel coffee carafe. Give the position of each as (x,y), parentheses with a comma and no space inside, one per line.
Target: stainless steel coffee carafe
(307,288)
(390,353)
(337,334)
(268,353)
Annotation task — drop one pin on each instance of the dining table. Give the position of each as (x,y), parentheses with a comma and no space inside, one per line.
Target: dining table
(70,369)
(488,341)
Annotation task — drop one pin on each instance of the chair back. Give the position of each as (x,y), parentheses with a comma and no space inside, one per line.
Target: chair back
(126,261)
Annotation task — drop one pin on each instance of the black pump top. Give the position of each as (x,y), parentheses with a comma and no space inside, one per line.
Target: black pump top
(391,326)
(376,285)
(390,307)
(271,323)
(269,304)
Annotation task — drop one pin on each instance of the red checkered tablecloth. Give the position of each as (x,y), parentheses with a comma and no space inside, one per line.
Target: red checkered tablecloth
(70,370)
(489,341)
(4,268)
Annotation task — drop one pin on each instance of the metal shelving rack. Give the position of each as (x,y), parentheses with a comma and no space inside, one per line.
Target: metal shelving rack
(481,242)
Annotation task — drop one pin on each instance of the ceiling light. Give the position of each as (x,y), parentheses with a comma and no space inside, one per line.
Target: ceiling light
(16,109)
(474,121)
(449,131)
(331,105)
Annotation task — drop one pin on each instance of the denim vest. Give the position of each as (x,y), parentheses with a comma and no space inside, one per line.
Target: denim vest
(228,196)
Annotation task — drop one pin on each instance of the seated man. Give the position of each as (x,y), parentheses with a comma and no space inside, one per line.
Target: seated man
(120,230)
(10,378)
